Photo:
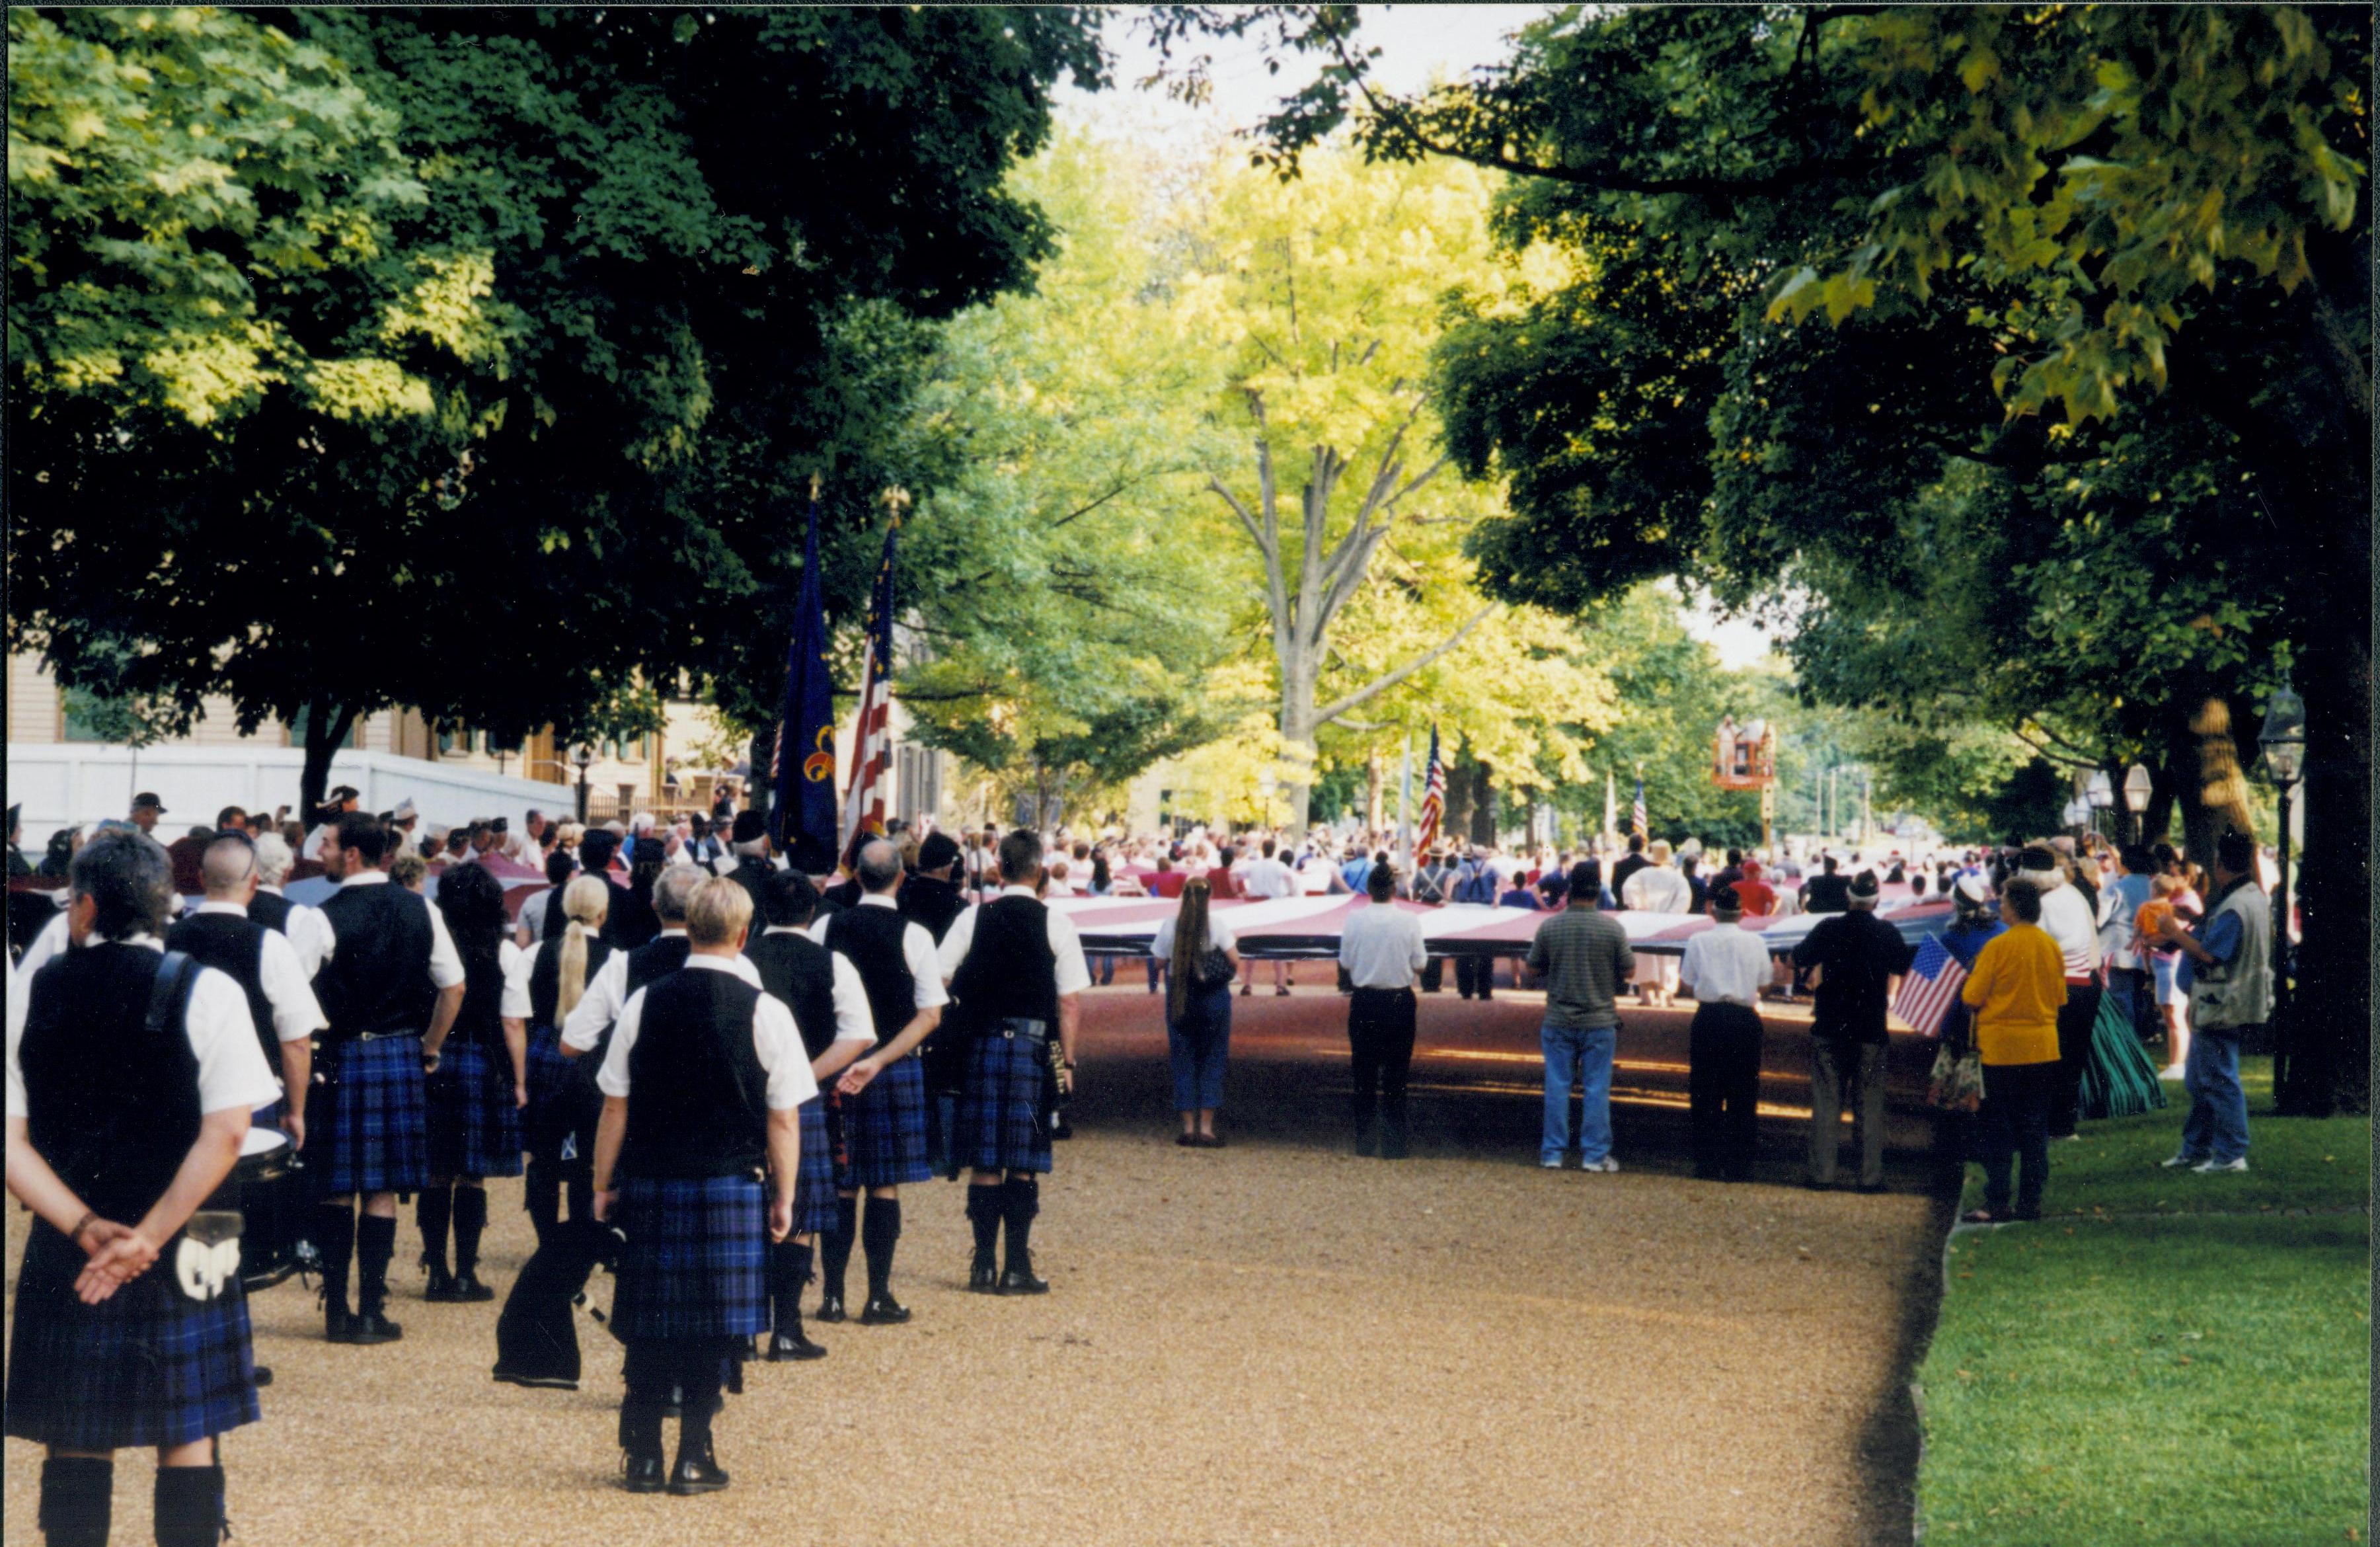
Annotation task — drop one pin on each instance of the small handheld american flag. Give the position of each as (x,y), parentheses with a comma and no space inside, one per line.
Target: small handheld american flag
(1930,988)
(1433,799)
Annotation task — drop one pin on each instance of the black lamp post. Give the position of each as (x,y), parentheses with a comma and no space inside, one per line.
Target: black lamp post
(582,758)
(2283,740)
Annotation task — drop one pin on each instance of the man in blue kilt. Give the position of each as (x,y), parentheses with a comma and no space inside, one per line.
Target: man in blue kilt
(391,984)
(702,1085)
(1016,969)
(131,1075)
(830,1008)
(883,1094)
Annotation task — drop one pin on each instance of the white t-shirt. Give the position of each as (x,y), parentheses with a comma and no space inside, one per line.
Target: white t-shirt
(1381,946)
(1219,936)
(1726,962)
(232,1071)
(916,954)
(1265,877)
(295,1011)
(308,932)
(774,1039)
(1065,944)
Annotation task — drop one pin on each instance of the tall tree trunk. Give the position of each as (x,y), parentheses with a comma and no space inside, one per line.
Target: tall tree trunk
(327,726)
(1483,804)
(2329,1028)
(1456,822)
(760,789)
(1298,666)
(2204,758)
(1374,818)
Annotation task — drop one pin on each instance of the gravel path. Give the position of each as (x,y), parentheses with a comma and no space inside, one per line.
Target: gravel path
(1274,1343)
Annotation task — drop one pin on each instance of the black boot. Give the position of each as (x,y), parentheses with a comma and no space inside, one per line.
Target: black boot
(432,1210)
(77,1495)
(834,1257)
(789,1267)
(471,1223)
(698,1470)
(983,1207)
(334,1242)
(879,1235)
(375,1244)
(1020,1201)
(642,1468)
(1392,1128)
(190,1506)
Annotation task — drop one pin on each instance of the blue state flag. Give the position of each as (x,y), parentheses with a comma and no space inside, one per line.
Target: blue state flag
(802,817)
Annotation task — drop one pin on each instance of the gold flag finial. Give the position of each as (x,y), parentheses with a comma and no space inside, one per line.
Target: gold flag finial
(814,488)
(896,500)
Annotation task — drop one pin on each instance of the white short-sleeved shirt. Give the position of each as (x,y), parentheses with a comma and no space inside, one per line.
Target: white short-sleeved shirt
(45,948)
(774,1039)
(446,965)
(1065,945)
(288,988)
(1219,936)
(514,961)
(232,1071)
(1381,946)
(308,932)
(607,996)
(916,954)
(1267,877)
(854,1021)
(1726,962)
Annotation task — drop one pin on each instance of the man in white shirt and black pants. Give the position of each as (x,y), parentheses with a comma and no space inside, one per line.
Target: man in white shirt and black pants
(390,988)
(1015,967)
(1725,969)
(1381,948)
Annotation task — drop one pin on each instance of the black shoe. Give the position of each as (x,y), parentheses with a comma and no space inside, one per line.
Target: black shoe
(643,1474)
(470,1290)
(787,1346)
(442,1288)
(830,1309)
(263,1376)
(336,1319)
(1020,1281)
(696,1474)
(984,1279)
(368,1327)
(883,1312)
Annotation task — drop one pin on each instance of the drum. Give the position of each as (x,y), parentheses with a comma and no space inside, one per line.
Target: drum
(268,1185)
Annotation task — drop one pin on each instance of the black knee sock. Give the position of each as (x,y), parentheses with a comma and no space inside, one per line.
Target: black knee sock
(789,1270)
(835,1245)
(470,1222)
(432,1210)
(1020,1201)
(76,1494)
(335,1239)
(581,1187)
(983,1207)
(375,1244)
(190,1506)
(878,1235)
(700,1385)
(541,1196)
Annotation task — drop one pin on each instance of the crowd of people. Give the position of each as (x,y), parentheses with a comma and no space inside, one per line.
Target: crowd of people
(731,1069)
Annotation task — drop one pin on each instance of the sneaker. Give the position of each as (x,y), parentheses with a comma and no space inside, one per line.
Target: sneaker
(1606,1165)
(2171,1071)
(2173,1162)
(1553,1164)
(2209,1167)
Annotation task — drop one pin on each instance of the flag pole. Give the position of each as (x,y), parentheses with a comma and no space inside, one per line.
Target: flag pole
(1404,808)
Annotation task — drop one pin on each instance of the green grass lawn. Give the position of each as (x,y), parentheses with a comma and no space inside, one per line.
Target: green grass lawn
(2187,1380)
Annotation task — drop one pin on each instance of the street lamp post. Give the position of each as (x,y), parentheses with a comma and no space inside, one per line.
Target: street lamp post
(2101,793)
(582,758)
(2283,740)
(2139,785)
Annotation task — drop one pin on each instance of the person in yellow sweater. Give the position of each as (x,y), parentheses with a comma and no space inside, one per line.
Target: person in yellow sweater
(2015,990)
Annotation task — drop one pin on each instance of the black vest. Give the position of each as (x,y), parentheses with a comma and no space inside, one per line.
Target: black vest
(800,971)
(935,904)
(631,922)
(545,977)
(698,1097)
(753,876)
(378,977)
(272,911)
(480,1021)
(872,938)
(657,957)
(1010,971)
(236,948)
(111,1108)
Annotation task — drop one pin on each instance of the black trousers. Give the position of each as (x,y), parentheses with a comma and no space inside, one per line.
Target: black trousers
(2075,1018)
(1433,976)
(1474,974)
(1380,1038)
(1723,1088)
(2013,1121)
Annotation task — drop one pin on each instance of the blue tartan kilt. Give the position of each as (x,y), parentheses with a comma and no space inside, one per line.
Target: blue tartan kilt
(374,1135)
(814,1191)
(546,1121)
(147,1366)
(696,1260)
(999,1123)
(474,1127)
(884,1128)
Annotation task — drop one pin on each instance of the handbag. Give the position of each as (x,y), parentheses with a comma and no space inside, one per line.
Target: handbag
(1958,1081)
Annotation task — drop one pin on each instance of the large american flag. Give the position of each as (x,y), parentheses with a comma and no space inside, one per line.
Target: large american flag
(872,743)
(1638,822)
(1433,799)
(1930,988)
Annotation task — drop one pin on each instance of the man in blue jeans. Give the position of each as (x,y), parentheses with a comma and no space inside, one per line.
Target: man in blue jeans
(2226,968)
(1581,956)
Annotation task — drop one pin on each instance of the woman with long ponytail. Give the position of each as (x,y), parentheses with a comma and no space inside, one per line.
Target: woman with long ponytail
(1204,959)
(555,975)
(472,1099)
